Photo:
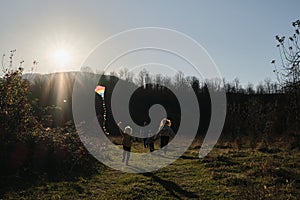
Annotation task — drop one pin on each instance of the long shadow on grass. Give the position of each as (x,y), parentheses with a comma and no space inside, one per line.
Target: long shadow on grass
(170,186)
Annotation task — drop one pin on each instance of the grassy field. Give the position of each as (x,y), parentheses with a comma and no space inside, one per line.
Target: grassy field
(224,174)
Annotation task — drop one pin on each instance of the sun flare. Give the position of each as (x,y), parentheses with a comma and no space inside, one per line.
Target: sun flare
(61,57)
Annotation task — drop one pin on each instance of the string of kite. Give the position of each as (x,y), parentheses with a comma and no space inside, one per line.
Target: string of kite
(101,90)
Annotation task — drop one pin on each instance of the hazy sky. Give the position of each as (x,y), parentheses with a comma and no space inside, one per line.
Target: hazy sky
(238,35)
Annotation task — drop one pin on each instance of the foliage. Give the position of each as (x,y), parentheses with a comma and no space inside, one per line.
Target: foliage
(288,73)
(26,147)
(15,110)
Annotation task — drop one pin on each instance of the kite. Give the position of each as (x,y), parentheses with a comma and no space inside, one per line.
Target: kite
(100,90)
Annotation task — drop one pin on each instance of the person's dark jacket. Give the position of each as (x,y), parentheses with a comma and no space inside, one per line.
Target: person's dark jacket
(165,131)
(127,139)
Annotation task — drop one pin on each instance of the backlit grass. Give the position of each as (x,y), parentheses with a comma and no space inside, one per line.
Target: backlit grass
(223,174)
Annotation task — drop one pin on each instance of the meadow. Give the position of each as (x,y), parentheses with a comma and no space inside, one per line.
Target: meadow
(226,173)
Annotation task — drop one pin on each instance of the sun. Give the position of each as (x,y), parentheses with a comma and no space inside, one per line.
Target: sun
(61,57)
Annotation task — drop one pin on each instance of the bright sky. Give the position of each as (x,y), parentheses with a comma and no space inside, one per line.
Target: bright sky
(238,35)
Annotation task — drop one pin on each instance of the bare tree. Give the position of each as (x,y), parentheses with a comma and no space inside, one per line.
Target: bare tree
(268,85)
(180,80)
(288,72)
(126,75)
(260,89)
(194,82)
(112,73)
(249,89)
(158,80)
(86,69)
(166,81)
(143,78)
(275,88)
(237,84)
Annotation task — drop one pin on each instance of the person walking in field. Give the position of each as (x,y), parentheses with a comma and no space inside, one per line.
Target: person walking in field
(165,132)
(150,142)
(126,142)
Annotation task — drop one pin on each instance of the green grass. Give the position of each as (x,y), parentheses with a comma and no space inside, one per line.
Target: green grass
(223,174)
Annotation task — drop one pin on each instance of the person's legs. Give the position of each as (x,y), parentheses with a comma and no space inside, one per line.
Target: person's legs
(167,140)
(128,155)
(164,143)
(145,142)
(125,149)
(151,145)
(124,153)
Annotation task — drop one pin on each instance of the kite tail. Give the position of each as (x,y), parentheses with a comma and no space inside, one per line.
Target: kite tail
(100,90)
(104,115)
